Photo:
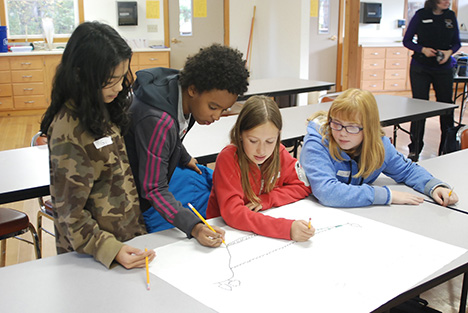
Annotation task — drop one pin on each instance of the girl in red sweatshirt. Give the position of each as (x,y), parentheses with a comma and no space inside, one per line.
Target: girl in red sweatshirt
(255,172)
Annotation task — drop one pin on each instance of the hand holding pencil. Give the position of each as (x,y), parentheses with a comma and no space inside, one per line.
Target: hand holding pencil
(444,196)
(207,235)
(302,230)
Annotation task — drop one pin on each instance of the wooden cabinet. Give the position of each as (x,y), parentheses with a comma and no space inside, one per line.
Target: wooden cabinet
(23,83)
(142,60)
(26,80)
(384,68)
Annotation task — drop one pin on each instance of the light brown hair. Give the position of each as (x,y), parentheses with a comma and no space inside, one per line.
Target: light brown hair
(257,111)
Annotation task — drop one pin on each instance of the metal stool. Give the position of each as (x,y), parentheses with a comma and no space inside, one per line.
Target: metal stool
(12,224)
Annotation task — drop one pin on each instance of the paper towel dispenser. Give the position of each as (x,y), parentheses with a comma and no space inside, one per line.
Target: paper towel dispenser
(371,12)
(127,13)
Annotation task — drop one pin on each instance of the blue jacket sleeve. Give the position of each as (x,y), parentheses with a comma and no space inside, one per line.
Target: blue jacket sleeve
(402,170)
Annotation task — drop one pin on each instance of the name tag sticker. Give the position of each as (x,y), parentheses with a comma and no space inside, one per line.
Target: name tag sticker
(343,173)
(427,21)
(104,141)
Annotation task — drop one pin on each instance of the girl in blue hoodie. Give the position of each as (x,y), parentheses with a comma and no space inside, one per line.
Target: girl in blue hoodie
(345,151)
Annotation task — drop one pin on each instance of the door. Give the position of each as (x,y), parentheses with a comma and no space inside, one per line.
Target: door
(205,30)
(323,46)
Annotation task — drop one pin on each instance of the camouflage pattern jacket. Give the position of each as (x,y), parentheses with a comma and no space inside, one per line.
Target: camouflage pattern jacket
(93,192)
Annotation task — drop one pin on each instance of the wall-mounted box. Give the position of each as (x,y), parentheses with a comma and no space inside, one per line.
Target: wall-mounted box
(371,12)
(127,13)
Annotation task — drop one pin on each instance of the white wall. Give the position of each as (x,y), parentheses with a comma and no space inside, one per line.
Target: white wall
(462,15)
(278,36)
(106,11)
(392,10)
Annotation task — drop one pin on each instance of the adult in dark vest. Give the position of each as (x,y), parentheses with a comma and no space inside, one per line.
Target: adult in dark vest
(437,38)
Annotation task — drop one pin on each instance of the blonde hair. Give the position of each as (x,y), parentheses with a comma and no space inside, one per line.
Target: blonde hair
(257,111)
(357,106)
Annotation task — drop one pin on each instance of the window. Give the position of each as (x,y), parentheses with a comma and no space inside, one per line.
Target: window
(185,17)
(24,18)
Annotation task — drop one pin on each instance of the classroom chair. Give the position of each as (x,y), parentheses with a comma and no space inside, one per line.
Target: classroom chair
(45,206)
(12,224)
(462,137)
(328,97)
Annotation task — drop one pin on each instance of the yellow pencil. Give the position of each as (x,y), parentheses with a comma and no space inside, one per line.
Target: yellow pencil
(310,225)
(201,218)
(147,272)
(450,193)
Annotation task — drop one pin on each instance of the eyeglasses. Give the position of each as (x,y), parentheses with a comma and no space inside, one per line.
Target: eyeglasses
(349,129)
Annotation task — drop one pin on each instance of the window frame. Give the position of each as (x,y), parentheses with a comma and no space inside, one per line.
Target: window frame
(56,39)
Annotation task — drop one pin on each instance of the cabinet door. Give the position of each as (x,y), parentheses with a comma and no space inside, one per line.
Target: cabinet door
(27,76)
(30,102)
(372,64)
(5,90)
(373,74)
(28,89)
(396,53)
(51,62)
(153,59)
(4,64)
(373,53)
(5,77)
(395,64)
(6,103)
(26,63)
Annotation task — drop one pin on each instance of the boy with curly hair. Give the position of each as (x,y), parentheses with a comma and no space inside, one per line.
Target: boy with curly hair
(166,104)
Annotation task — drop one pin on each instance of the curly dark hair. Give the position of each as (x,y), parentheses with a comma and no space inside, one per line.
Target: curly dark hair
(216,67)
(88,61)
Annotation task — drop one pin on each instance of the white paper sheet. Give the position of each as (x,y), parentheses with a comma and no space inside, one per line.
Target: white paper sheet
(352,264)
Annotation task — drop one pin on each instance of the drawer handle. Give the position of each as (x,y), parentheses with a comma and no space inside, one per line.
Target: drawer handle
(27,76)
(373,85)
(153,59)
(374,64)
(28,89)
(375,53)
(374,75)
(397,53)
(396,63)
(396,74)
(29,102)
(26,63)
(395,85)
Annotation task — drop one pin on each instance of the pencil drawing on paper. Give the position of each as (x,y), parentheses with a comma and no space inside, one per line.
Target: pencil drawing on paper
(232,282)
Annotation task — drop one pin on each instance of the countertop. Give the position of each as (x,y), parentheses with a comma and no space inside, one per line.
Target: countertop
(60,51)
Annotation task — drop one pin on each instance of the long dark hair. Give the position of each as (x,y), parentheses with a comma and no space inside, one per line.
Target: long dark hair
(90,57)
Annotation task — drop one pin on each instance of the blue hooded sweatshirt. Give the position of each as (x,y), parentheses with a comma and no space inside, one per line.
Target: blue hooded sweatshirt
(333,182)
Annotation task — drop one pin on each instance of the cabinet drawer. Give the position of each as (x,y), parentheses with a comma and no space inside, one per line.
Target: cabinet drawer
(395,74)
(396,64)
(373,64)
(396,53)
(25,63)
(373,53)
(395,84)
(30,102)
(6,103)
(372,85)
(5,77)
(153,59)
(28,89)
(372,74)
(27,76)
(5,90)
(4,64)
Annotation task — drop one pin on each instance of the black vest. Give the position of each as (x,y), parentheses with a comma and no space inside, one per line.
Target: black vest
(435,31)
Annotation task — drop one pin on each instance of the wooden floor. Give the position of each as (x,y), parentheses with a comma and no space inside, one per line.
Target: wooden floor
(17,131)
